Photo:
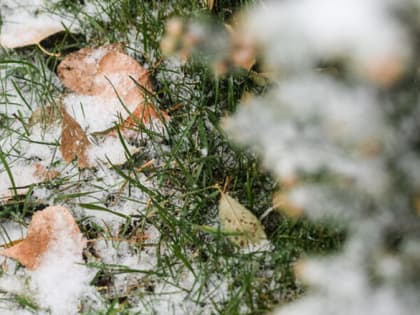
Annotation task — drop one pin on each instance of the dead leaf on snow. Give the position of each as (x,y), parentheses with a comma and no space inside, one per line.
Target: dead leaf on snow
(116,72)
(236,218)
(74,141)
(102,71)
(15,34)
(98,75)
(77,71)
(53,224)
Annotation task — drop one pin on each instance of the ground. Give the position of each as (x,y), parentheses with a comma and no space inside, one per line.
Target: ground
(155,245)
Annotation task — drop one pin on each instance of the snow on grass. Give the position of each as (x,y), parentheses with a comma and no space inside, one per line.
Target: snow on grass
(298,34)
(105,200)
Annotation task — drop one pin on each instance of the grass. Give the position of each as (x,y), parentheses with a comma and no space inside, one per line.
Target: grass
(192,157)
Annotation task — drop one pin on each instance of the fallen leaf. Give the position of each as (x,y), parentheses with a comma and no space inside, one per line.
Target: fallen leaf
(101,78)
(74,141)
(103,71)
(31,31)
(77,71)
(236,218)
(51,225)
(116,72)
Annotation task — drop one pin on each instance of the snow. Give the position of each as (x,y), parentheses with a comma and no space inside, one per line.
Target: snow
(93,113)
(296,134)
(111,150)
(62,260)
(23,176)
(61,284)
(299,34)
(333,131)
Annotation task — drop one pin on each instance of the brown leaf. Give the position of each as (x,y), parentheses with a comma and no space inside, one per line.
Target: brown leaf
(46,227)
(74,141)
(77,71)
(103,71)
(116,72)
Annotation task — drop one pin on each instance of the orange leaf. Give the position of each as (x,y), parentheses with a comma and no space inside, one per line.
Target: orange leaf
(102,71)
(74,141)
(77,71)
(53,224)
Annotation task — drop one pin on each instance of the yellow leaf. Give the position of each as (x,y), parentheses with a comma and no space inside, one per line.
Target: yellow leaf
(239,220)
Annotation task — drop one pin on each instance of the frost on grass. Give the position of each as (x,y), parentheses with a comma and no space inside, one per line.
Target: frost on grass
(342,140)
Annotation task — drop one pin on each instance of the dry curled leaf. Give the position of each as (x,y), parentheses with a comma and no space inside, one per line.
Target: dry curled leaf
(237,219)
(74,141)
(51,225)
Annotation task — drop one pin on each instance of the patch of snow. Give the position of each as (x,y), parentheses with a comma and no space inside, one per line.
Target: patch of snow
(111,150)
(94,113)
